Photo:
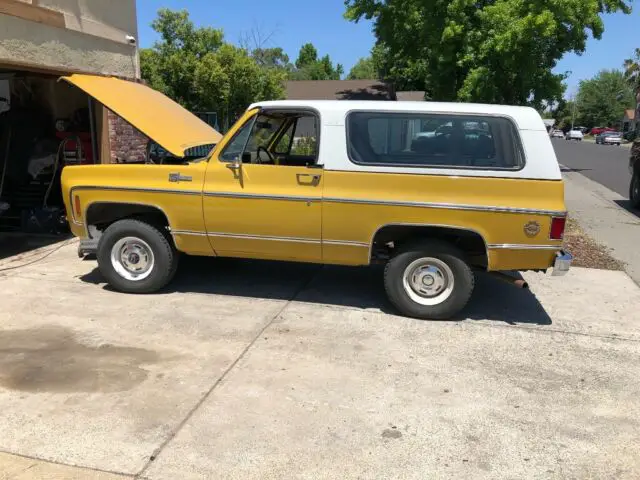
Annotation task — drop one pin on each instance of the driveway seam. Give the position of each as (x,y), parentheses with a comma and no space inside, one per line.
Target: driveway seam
(62,464)
(224,375)
(554,330)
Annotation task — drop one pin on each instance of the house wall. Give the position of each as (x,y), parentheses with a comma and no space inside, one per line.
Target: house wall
(70,35)
(127,143)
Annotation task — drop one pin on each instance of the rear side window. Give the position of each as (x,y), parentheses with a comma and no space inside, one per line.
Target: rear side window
(433,140)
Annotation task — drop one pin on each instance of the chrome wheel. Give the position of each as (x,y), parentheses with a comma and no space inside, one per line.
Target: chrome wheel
(132,258)
(428,281)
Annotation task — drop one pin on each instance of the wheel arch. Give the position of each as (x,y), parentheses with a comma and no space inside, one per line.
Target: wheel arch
(470,240)
(100,214)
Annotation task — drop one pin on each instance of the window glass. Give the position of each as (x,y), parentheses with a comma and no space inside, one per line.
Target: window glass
(264,128)
(433,140)
(305,139)
(282,147)
(235,147)
(276,138)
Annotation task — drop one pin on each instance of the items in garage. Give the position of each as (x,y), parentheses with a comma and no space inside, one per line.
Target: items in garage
(44,126)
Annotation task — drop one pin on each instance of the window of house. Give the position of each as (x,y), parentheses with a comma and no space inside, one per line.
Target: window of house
(433,140)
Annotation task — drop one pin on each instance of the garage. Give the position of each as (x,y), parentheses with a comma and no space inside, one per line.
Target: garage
(45,125)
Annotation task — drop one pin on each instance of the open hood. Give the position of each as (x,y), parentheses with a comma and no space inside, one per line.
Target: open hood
(157,116)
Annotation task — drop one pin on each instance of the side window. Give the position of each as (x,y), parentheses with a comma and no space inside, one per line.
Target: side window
(276,138)
(236,146)
(433,140)
(305,139)
(283,147)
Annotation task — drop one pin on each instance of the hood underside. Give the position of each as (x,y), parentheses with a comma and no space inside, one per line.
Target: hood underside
(154,114)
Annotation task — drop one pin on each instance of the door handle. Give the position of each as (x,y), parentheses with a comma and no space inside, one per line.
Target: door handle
(177,178)
(315,178)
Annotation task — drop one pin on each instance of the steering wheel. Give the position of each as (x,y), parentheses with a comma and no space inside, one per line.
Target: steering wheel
(271,157)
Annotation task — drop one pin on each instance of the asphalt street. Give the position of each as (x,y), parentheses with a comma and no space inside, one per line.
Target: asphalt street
(607,165)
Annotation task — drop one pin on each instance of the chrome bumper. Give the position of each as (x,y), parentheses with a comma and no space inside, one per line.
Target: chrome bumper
(87,246)
(562,263)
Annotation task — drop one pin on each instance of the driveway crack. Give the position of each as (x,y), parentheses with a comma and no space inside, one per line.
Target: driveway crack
(158,451)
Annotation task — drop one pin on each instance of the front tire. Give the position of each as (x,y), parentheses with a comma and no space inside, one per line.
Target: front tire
(429,280)
(136,257)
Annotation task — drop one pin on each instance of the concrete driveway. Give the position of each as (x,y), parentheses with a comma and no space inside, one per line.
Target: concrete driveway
(260,370)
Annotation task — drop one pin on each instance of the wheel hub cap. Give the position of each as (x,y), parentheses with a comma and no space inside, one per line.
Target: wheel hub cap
(428,281)
(132,258)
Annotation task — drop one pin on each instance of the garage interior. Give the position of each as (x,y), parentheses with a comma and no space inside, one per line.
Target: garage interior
(45,125)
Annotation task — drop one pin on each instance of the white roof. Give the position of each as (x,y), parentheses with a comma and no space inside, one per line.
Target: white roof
(526,118)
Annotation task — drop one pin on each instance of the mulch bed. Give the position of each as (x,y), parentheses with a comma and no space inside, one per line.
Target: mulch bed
(586,251)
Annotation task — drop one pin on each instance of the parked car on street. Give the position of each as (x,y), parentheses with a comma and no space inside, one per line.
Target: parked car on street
(557,134)
(574,134)
(361,188)
(634,168)
(598,130)
(609,138)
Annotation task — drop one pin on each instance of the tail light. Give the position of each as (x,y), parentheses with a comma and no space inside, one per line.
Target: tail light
(76,206)
(557,228)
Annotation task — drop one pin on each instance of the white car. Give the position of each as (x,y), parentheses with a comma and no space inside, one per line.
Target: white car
(576,135)
(557,134)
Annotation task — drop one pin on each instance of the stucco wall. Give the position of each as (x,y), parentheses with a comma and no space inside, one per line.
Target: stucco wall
(111,19)
(94,40)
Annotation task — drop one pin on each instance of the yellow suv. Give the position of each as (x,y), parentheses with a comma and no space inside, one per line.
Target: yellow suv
(433,190)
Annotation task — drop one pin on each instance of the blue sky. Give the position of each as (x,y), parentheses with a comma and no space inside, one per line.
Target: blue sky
(291,23)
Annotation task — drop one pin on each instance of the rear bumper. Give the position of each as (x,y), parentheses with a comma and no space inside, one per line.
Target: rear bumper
(87,246)
(562,263)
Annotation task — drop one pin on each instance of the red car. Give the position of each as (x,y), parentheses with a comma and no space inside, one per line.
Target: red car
(598,130)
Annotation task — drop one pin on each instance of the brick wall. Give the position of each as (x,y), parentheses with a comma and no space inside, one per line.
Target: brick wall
(127,143)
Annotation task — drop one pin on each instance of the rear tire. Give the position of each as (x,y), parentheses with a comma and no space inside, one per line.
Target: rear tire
(136,257)
(429,280)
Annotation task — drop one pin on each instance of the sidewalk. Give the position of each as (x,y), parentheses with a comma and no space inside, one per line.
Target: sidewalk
(599,213)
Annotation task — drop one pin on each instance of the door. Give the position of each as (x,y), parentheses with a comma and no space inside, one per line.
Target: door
(263,188)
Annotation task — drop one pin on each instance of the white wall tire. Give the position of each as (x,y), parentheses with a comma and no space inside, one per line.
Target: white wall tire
(136,257)
(429,280)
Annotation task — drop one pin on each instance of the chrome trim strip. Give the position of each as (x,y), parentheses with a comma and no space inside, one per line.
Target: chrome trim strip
(188,232)
(447,206)
(255,196)
(271,238)
(522,246)
(345,243)
(264,237)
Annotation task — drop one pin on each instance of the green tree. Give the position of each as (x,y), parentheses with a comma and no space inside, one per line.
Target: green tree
(308,56)
(310,67)
(603,99)
(196,68)
(496,51)
(271,58)
(364,69)
(632,70)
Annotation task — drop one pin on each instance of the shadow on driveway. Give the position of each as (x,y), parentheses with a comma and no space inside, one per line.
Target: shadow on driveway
(12,244)
(360,288)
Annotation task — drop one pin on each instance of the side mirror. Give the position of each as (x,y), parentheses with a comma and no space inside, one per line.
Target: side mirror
(236,164)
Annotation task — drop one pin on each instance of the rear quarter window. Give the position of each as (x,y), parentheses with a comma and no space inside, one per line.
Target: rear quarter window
(434,140)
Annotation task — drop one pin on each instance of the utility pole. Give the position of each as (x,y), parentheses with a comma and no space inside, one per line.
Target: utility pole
(573,111)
